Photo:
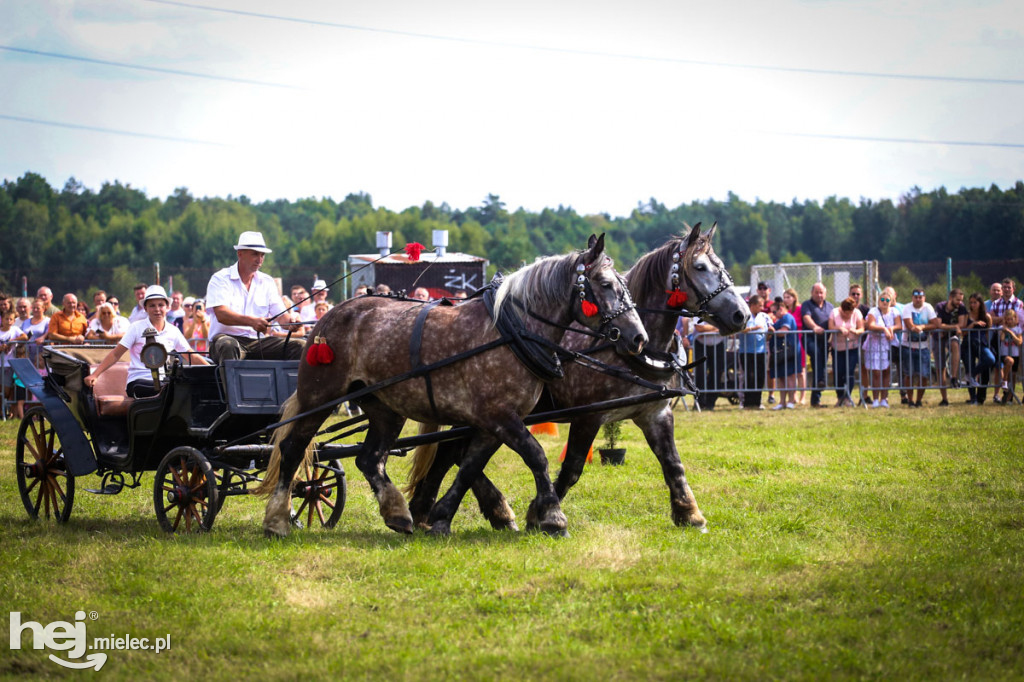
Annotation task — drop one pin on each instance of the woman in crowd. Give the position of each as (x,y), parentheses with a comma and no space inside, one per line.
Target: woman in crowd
(980,358)
(106,326)
(1010,339)
(197,327)
(881,325)
(140,378)
(84,308)
(35,328)
(792,302)
(784,361)
(848,325)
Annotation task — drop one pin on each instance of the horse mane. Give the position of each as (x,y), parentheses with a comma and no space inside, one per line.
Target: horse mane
(650,272)
(545,283)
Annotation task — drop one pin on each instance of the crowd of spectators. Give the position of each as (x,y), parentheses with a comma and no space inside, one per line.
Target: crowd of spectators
(911,348)
(789,348)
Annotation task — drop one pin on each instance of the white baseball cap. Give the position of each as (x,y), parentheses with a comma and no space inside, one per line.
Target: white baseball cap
(252,241)
(189,300)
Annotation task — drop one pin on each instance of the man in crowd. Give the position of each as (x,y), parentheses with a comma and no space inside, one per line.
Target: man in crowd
(176,313)
(139,311)
(950,320)
(1005,301)
(319,296)
(915,360)
(995,292)
(98,299)
(46,296)
(816,311)
(242,301)
(68,326)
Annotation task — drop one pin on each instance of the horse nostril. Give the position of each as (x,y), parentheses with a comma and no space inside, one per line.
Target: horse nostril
(739,317)
(639,340)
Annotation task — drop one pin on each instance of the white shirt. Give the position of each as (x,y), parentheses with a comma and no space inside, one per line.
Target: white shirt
(170,338)
(138,313)
(226,289)
(118,325)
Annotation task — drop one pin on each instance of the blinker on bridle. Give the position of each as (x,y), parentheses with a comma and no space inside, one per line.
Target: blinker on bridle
(590,309)
(677,298)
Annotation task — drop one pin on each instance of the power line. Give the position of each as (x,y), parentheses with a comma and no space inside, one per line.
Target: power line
(897,140)
(155,69)
(109,131)
(596,53)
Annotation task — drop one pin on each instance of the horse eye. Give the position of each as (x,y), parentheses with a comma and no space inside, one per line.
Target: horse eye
(700,267)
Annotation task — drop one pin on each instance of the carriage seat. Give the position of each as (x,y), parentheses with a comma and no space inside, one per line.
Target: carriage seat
(111,399)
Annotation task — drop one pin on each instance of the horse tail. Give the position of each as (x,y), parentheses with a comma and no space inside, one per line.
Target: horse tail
(270,479)
(422,459)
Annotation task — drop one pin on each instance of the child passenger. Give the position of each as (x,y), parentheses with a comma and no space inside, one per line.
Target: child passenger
(1009,352)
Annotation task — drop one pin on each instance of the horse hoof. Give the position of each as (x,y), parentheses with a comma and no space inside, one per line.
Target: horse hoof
(509,525)
(556,532)
(400,524)
(440,529)
(274,533)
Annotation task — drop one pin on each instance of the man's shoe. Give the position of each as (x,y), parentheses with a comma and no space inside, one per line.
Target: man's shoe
(944,403)
(883,403)
(918,404)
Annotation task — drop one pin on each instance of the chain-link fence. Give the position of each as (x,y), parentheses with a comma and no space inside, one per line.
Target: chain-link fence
(837,277)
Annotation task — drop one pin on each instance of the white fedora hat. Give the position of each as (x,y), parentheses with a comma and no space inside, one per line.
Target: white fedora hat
(155,291)
(319,284)
(252,241)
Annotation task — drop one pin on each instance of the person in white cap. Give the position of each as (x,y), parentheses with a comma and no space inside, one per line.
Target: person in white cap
(140,377)
(319,296)
(241,302)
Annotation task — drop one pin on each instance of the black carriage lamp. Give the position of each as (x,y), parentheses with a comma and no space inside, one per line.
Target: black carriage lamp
(153,355)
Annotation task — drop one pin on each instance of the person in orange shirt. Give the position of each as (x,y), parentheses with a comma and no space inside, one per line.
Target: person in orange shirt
(68,326)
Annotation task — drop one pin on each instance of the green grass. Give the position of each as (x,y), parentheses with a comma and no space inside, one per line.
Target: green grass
(842,544)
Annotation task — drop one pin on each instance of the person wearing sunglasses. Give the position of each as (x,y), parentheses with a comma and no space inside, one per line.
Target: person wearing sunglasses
(882,325)
(915,357)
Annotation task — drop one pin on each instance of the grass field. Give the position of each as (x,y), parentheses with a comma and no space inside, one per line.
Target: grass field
(841,544)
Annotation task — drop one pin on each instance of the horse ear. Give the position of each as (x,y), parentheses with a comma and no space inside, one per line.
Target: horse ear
(694,234)
(595,247)
(711,232)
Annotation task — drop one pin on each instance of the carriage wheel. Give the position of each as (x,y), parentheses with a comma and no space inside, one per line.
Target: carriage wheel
(320,493)
(185,492)
(43,479)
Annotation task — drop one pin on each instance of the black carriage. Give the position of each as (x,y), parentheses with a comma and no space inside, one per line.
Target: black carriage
(205,436)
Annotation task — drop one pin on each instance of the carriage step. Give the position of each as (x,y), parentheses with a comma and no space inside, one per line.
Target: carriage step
(109,489)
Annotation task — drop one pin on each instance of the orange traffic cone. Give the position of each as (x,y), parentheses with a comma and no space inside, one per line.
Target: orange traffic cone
(546,429)
(590,453)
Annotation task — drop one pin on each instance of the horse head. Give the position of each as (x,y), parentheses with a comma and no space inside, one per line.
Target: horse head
(603,302)
(699,282)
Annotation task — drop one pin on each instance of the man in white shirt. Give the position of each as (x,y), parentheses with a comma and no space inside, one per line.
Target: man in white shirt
(139,311)
(915,359)
(241,302)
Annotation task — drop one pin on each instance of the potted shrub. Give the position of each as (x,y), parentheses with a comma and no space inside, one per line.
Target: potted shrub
(611,453)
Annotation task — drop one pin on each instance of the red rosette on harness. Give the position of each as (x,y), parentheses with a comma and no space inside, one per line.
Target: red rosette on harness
(676,299)
(589,309)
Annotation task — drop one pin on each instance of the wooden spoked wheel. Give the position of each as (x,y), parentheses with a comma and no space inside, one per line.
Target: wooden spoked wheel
(185,492)
(45,485)
(319,493)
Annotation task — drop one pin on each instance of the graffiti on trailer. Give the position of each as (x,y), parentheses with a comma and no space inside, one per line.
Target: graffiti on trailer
(461,280)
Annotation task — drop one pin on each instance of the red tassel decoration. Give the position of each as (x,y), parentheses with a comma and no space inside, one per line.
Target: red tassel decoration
(589,309)
(312,355)
(413,250)
(325,355)
(676,298)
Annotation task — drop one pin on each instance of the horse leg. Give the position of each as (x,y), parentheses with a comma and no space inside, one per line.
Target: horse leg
(292,447)
(385,427)
(493,504)
(582,432)
(659,430)
(544,511)
(477,452)
(424,494)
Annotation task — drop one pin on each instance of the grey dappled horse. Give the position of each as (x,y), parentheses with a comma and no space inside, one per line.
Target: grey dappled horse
(491,391)
(708,289)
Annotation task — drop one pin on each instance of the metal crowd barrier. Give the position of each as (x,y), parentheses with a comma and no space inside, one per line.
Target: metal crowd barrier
(840,377)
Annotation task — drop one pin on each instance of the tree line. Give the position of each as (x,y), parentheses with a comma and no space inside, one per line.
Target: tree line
(78,239)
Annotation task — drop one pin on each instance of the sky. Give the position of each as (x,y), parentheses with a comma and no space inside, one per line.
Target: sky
(594,104)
